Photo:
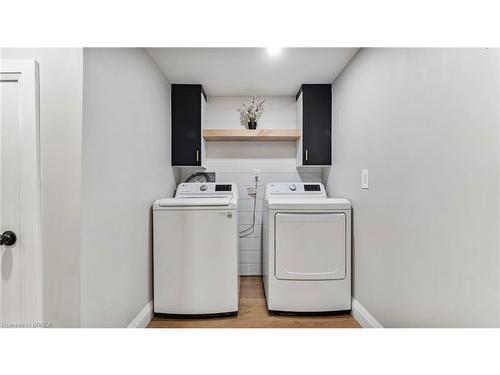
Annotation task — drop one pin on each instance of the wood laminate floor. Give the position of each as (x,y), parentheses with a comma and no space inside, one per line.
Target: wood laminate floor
(253,314)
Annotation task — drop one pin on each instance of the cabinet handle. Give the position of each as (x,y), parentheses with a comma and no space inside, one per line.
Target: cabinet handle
(197,155)
(306,155)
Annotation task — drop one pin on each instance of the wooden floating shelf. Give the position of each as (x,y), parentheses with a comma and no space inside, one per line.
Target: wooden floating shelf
(251,135)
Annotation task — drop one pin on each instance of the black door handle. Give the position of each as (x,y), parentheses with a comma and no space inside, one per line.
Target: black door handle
(8,238)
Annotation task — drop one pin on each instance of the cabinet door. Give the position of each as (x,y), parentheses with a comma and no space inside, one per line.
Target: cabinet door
(186,125)
(317,125)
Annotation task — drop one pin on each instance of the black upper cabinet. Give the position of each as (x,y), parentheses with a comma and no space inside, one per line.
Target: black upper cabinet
(314,114)
(187,117)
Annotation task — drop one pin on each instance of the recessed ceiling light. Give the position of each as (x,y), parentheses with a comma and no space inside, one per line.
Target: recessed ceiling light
(273,51)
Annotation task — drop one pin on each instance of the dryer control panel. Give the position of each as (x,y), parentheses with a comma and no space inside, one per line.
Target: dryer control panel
(297,188)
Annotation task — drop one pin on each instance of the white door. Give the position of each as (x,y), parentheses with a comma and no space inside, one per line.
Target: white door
(310,246)
(20,260)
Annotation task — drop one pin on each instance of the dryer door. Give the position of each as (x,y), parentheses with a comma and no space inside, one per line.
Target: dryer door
(310,246)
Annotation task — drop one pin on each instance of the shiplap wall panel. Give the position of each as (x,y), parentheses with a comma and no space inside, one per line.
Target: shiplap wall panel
(246,217)
(247,244)
(250,269)
(257,232)
(235,162)
(227,116)
(250,256)
(247,204)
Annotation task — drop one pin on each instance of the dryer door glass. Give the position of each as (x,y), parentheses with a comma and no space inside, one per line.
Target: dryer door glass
(310,246)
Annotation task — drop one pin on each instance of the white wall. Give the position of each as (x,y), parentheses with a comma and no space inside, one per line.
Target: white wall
(126,166)
(61,137)
(235,161)
(425,123)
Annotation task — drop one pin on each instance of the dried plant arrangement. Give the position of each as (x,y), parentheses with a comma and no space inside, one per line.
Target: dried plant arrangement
(252,112)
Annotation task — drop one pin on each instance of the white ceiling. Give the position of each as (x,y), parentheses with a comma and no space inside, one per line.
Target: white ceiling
(251,71)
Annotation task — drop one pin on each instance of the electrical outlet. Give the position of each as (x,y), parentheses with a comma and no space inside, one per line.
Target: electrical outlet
(256,174)
(251,191)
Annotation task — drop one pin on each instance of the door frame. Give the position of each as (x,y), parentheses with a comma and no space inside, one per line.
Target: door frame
(26,73)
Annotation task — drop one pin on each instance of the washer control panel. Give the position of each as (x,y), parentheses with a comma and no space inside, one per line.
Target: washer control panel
(204,188)
(295,188)
(223,187)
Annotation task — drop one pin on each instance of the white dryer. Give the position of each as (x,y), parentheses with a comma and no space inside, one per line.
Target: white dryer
(307,249)
(195,250)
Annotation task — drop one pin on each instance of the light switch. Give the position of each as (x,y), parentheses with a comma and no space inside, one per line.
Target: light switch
(364,178)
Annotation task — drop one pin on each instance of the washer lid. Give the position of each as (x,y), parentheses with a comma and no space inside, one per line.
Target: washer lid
(303,203)
(183,202)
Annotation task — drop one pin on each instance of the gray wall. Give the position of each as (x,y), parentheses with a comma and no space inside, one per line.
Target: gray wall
(60,150)
(126,166)
(425,122)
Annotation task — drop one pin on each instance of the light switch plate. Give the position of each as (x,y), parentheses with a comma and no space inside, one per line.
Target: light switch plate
(364,178)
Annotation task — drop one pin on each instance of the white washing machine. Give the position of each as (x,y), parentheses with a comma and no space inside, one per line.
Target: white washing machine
(307,249)
(195,250)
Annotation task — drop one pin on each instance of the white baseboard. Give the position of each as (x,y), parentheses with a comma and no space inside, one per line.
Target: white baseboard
(363,317)
(144,317)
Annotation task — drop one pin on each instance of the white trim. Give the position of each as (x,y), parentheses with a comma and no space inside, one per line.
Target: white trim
(363,317)
(498,174)
(144,317)
(25,72)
